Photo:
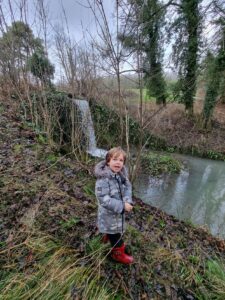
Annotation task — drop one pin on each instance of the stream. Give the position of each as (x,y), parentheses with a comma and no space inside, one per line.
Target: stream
(197,194)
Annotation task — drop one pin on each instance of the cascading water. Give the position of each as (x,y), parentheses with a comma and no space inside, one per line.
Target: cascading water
(196,194)
(88,128)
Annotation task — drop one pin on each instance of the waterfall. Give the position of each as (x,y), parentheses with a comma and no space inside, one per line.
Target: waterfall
(88,128)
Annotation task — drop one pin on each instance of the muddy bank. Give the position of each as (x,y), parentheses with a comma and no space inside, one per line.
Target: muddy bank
(43,191)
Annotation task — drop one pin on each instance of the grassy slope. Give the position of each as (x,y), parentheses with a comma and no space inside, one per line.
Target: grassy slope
(50,248)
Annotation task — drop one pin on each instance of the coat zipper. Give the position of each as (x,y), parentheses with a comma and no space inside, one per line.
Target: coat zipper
(121,196)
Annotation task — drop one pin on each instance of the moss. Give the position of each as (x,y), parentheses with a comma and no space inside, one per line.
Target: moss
(157,164)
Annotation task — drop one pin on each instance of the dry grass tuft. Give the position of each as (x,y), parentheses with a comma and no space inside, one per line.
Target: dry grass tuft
(40,268)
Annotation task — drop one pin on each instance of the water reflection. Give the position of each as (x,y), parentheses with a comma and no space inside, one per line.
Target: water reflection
(196,194)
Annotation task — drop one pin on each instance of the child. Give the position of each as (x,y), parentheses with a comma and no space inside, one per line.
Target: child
(113,191)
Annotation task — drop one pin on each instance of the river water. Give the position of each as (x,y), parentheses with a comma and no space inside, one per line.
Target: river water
(197,194)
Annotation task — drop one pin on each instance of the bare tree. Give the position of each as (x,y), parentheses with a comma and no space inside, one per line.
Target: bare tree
(67,56)
(112,54)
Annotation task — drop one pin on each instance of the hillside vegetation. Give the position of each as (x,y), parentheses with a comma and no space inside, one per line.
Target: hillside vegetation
(51,249)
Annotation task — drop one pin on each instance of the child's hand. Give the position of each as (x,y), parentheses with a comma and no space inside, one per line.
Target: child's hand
(128,207)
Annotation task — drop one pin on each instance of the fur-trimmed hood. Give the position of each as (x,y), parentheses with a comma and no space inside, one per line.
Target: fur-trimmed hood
(102,170)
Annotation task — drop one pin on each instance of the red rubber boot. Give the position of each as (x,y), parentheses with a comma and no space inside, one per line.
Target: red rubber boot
(120,256)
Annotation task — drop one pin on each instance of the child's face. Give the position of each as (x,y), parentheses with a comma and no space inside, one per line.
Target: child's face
(116,163)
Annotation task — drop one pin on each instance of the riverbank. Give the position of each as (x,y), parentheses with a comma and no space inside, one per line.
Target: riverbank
(184,134)
(167,128)
(51,249)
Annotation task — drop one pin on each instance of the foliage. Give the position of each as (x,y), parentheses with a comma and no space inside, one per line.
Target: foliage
(186,29)
(153,21)
(43,269)
(197,151)
(16,45)
(173,90)
(107,128)
(60,255)
(70,223)
(157,164)
(89,189)
(64,126)
(148,18)
(215,67)
(214,155)
(213,279)
(106,123)
(212,83)
(222,88)
(41,67)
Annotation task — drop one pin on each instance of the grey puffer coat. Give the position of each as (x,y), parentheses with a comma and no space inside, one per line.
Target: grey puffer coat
(112,191)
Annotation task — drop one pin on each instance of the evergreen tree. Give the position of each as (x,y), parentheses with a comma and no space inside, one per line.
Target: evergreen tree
(153,21)
(212,86)
(16,45)
(214,79)
(145,34)
(218,10)
(187,29)
(41,67)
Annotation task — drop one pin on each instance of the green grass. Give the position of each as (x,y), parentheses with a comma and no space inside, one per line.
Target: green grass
(171,93)
(214,278)
(89,189)
(210,280)
(40,268)
(36,266)
(145,95)
(137,95)
(70,223)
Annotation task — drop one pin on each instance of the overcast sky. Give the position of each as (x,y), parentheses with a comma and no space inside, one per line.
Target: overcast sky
(79,16)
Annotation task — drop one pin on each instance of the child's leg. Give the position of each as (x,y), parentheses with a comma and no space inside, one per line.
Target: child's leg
(118,249)
(115,239)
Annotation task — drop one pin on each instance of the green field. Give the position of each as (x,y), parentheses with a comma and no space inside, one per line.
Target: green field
(135,95)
